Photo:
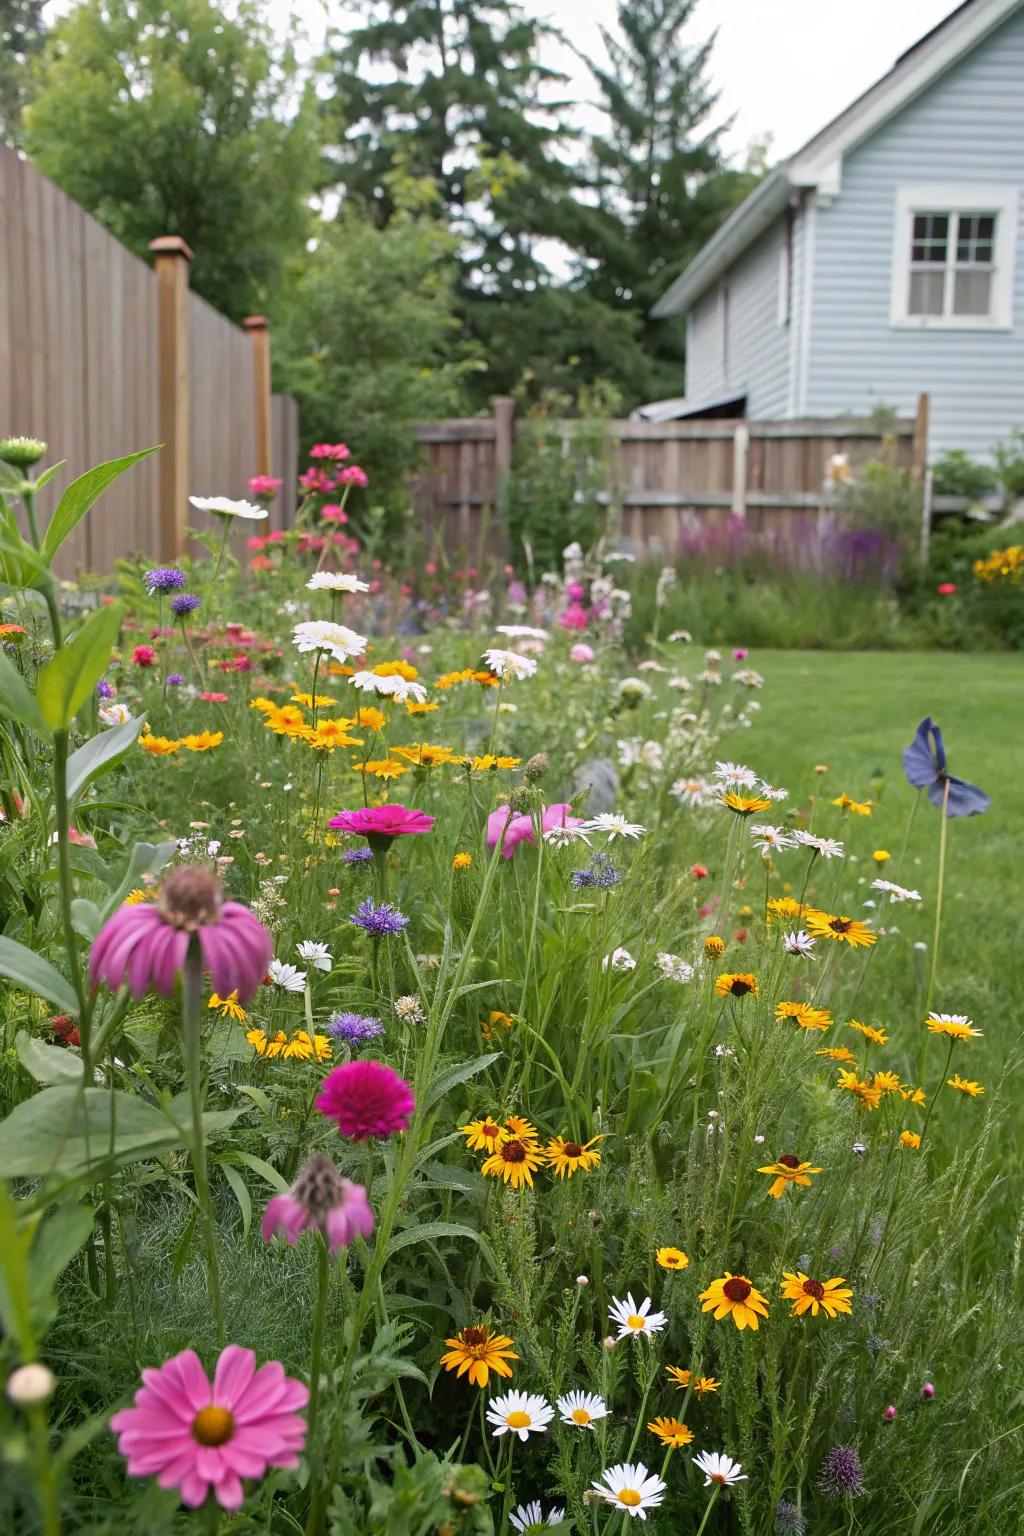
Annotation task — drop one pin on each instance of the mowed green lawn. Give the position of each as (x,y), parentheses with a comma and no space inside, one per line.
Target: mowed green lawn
(855,712)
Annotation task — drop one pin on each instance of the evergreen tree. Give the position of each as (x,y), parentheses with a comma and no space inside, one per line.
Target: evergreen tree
(21,35)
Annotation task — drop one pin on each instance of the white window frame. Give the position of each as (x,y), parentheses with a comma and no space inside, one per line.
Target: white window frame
(954,198)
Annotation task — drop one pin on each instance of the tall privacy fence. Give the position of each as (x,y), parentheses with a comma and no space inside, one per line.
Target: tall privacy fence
(667,477)
(101,355)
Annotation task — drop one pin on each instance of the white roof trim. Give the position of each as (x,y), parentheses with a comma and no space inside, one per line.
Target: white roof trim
(819,164)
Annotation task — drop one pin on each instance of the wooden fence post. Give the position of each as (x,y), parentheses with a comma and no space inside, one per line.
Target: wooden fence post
(504,443)
(171,257)
(920,463)
(740,445)
(259,335)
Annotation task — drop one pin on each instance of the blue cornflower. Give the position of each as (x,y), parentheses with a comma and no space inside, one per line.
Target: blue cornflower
(104,689)
(186,603)
(600,872)
(175,679)
(164,578)
(924,763)
(379,921)
(354,1027)
(582,879)
(357,856)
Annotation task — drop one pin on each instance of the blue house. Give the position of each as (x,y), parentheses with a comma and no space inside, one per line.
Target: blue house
(883,259)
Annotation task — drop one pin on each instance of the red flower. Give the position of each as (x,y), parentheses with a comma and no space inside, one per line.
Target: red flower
(946,588)
(699,872)
(144,656)
(214,698)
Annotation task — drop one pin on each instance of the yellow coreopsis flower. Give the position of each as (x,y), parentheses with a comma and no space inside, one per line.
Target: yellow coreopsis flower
(229,1007)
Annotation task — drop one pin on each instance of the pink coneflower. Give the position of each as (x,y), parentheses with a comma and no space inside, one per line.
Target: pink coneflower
(381,824)
(199,1438)
(145,945)
(366,1098)
(144,656)
(336,452)
(513,830)
(320,1199)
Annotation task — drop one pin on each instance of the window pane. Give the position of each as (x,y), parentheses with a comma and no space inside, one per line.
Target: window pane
(926,290)
(975,237)
(930,237)
(971,293)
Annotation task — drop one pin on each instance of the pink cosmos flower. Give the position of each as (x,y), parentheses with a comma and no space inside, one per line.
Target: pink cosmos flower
(581,652)
(264,485)
(513,830)
(145,945)
(144,656)
(353,475)
(366,1098)
(320,1199)
(337,452)
(199,1438)
(380,824)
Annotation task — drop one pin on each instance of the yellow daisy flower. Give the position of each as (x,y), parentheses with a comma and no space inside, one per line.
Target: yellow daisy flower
(858,807)
(876,1036)
(746,805)
(910,1139)
(671,1258)
(963,1085)
(229,1007)
(803,1015)
(671,1432)
(788,1170)
(734,1296)
(870,1096)
(845,930)
(569,1157)
(814,1296)
(514,1160)
(482,1135)
(475,1352)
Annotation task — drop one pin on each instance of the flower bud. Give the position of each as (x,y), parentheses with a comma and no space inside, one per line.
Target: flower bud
(608,1343)
(30,1385)
(928,1391)
(584,1280)
(889,1414)
(536,767)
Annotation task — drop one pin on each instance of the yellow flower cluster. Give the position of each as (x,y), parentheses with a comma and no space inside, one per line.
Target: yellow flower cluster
(514,1152)
(1002,565)
(298,1045)
(164,746)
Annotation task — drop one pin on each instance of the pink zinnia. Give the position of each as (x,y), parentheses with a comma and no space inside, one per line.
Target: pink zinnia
(513,830)
(320,1199)
(214,698)
(332,513)
(199,1438)
(366,1098)
(380,824)
(581,652)
(264,485)
(317,481)
(145,945)
(144,656)
(740,653)
(337,452)
(353,475)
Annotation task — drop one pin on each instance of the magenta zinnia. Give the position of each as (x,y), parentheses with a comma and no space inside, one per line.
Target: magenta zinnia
(320,1199)
(144,946)
(380,824)
(366,1099)
(199,1438)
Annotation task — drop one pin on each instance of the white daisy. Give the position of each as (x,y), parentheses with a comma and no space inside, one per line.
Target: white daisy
(519,1413)
(527,1518)
(769,791)
(631,1488)
(317,955)
(520,632)
(772,839)
(115,714)
(695,792)
(674,968)
(682,635)
(337,639)
(950,1018)
(615,824)
(736,775)
(560,837)
(634,1319)
(336,581)
(797,943)
(289,977)
(710,678)
(826,846)
(509,664)
(712,658)
(620,960)
(651,666)
(401,689)
(582,1409)
(894,892)
(633,688)
(719,1468)
(223,506)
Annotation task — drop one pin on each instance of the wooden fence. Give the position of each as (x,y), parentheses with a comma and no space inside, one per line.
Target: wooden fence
(666,477)
(101,354)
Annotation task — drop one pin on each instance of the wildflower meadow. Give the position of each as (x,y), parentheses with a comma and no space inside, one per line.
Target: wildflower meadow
(449,1088)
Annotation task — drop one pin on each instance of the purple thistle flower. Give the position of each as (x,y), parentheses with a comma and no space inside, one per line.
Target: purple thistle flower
(175,679)
(164,578)
(187,602)
(841,1475)
(357,855)
(104,690)
(379,921)
(354,1027)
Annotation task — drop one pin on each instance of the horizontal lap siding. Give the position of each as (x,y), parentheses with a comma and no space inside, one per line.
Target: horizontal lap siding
(755,354)
(968,127)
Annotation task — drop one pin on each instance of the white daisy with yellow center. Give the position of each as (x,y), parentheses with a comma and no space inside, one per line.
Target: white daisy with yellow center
(634,1319)
(631,1488)
(582,1409)
(719,1469)
(519,1413)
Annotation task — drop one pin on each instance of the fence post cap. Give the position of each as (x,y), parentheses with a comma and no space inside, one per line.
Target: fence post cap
(171,245)
(255,323)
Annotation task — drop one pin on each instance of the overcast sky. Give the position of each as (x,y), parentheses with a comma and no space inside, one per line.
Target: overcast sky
(784,67)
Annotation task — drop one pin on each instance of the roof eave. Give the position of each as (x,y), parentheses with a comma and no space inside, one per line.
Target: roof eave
(753,216)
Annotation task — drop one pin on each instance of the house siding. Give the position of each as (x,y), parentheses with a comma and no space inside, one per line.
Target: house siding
(754,352)
(967,127)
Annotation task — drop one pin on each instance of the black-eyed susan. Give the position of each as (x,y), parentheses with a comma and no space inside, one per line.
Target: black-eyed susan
(844,930)
(956,1026)
(482,1135)
(294,1047)
(964,1085)
(910,1140)
(515,1160)
(803,1015)
(738,984)
(228,1007)
(569,1157)
(788,1170)
(876,1036)
(735,1296)
(476,1351)
(672,1433)
(671,1258)
(868,1094)
(746,805)
(516,1125)
(838,1053)
(830,1296)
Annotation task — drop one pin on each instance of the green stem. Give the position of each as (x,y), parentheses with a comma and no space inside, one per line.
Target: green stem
(211,590)
(46,1482)
(711,1504)
(191,992)
(323,1286)
(938,1090)
(63,817)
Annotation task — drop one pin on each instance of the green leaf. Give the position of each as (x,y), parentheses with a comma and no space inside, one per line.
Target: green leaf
(48,474)
(36,975)
(47,1063)
(69,677)
(63,1129)
(80,496)
(241,1194)
(16,698)
(427,1231)
(86,918)
(15,1292)
(452,1076)
(57,1242)
(265,1170)
(146,859)
(20,564)
(100,754)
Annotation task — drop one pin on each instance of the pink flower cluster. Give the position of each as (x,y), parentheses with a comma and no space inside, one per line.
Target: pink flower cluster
(264,487)
(511,830)
(336,452)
